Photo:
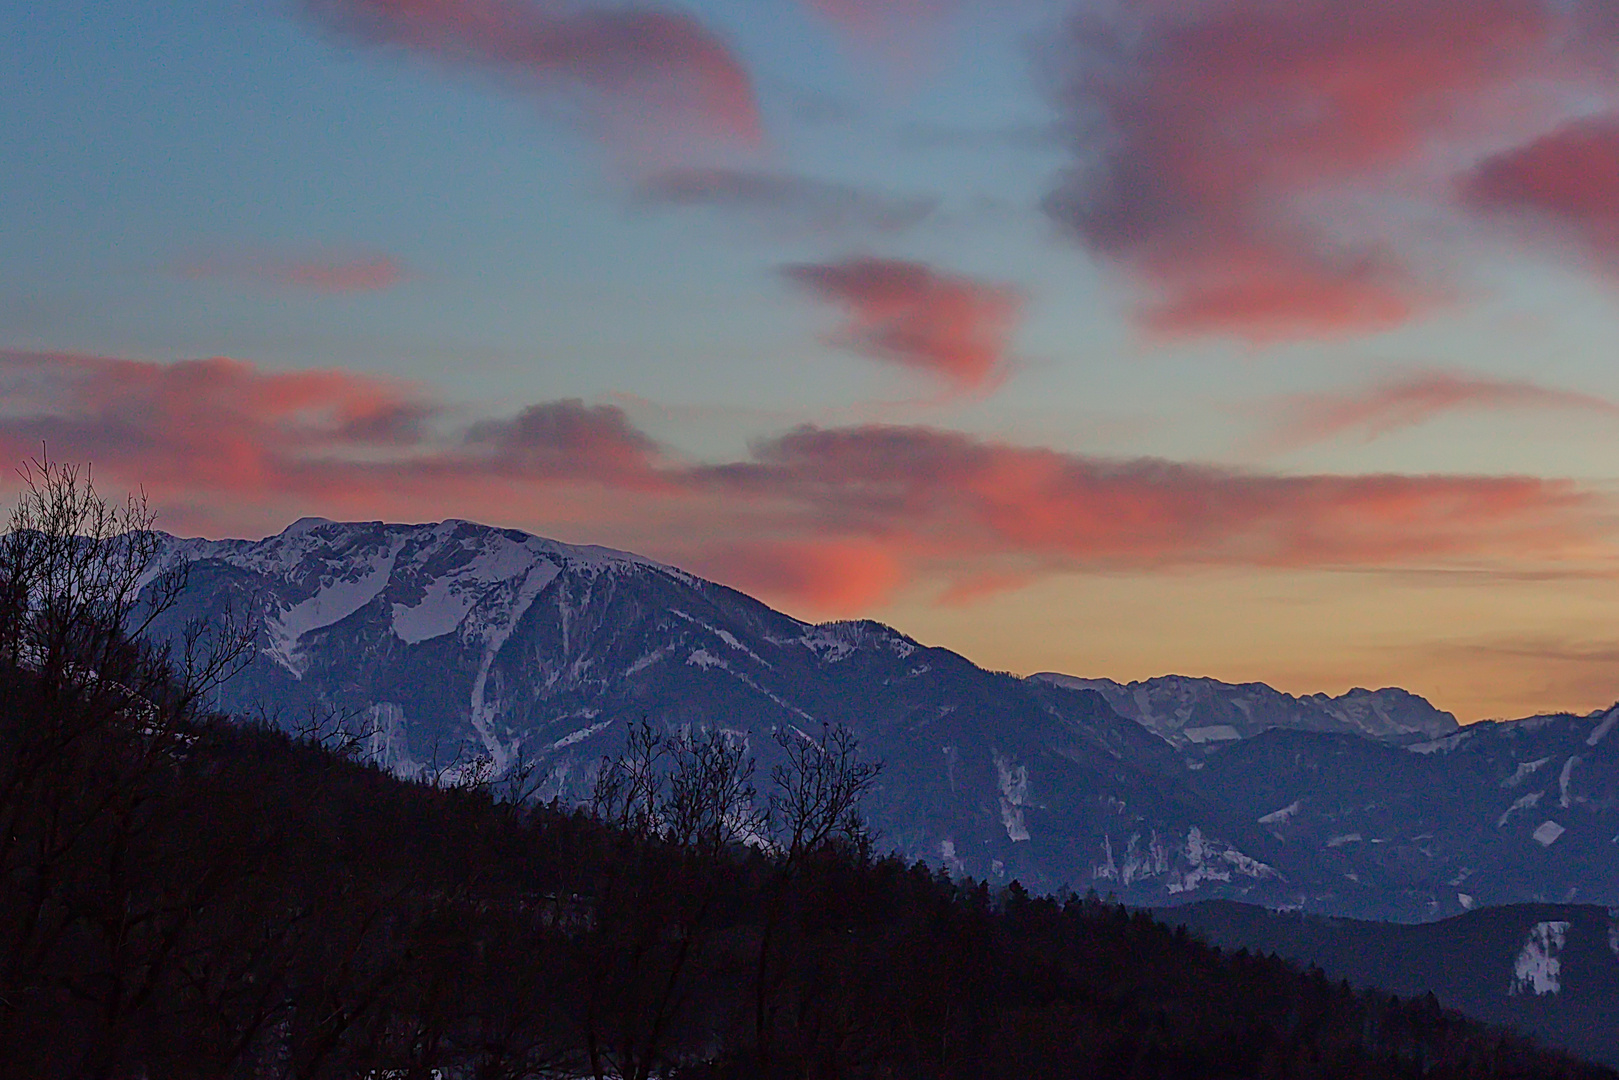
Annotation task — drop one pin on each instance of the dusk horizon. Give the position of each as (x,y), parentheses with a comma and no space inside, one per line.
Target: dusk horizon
(1246,339)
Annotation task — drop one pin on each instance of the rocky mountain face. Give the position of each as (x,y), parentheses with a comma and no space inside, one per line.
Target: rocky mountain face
(1551,970)
(459,643)
(1205,712)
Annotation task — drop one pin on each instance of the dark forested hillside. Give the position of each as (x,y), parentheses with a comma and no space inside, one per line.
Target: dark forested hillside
(1552,969)
(254,906)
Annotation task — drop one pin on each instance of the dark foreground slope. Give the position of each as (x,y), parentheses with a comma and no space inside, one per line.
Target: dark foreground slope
(199,899)
(1546,968)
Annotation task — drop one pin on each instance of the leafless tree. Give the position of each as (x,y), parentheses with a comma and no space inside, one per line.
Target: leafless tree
(816,792)
(814,806)
(629,788)
(680,805)
(82,583)
(84,580)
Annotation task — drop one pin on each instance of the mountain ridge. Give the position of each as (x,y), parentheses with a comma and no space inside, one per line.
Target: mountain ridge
(1191,711)
(455,641)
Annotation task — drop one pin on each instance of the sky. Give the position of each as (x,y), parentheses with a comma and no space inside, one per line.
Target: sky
(1256,339)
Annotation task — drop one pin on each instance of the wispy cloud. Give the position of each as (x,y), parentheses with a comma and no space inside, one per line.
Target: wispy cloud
(647,77)
(956,329)
(829,573)
(790,201)
(1367,412)
(311,272)
(1202,131)
(836,518)
(1566,182)
(1551,672)
(895,26)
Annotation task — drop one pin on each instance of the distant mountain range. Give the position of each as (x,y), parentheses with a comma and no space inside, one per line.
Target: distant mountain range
(457,641)
(1552,970)
(1204,712)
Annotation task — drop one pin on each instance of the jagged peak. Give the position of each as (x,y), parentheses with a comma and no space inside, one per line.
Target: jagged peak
(307,524)
(310,533)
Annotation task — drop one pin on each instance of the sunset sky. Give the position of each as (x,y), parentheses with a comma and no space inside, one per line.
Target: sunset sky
(1259,339)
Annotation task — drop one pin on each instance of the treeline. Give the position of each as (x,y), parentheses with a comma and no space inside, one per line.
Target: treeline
(182,896)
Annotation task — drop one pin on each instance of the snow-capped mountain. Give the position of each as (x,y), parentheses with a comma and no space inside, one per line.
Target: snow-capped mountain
(1205,712)
(457,641)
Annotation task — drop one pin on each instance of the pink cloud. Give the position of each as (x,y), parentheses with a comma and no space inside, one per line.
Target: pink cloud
(1203,129)
(646,75)
(882,22)
(955,329)
(909,37)
(566,439)
(936,494)
(1415,399)
(328,274)
(1270,295)
(826,574)
(835,519)
(1567,180)
(229,429)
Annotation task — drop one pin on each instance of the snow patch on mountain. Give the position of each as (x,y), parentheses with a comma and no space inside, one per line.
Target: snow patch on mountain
(485,579)
(387,744)
(1282,816)
(827,644)
(1538,969)
(724,635)
(1138,861)
(1210,860)
(1014,784)
(1212,733)
(337,596)
(1526,769)
(835,641)
(581,735)
(731,640)
(1563,781)
(704,659)
(1448,743)
(1523,803)
(492,623)
(1602,729)
(646,660)
(441,610)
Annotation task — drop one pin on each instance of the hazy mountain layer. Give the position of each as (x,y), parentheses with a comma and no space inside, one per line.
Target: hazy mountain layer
(1207,712)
